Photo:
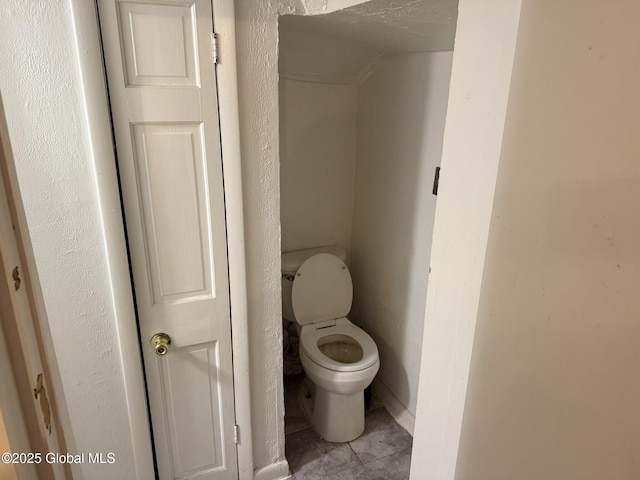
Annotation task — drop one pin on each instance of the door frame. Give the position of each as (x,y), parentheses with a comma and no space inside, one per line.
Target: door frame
(25,339)
(14,420)
(98,116)
(485,44)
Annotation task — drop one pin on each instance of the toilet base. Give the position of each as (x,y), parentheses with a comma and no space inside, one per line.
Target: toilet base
(334,417)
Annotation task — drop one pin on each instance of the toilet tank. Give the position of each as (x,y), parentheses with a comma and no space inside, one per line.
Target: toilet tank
(291,262)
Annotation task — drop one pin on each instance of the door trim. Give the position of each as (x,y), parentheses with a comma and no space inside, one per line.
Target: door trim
(485,43)
(226,71)
(25,338)
(101,144)
(11,410)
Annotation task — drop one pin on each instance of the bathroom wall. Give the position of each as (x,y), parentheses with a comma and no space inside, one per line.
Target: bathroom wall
(317,163)
(554,386)
(401,114)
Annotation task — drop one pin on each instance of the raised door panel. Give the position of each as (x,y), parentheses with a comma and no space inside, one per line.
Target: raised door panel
(170,172)
(191,394)
(159,44)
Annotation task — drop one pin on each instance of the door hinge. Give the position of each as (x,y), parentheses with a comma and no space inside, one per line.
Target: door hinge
(236,434)
(436,181)
(15,274)
(214,47)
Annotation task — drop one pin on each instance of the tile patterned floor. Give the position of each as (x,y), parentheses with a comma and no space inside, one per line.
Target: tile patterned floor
(382,452)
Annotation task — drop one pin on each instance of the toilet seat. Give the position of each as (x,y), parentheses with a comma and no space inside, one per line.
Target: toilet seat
(310,336)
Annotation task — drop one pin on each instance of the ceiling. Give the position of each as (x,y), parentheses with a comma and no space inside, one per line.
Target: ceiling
(344,46)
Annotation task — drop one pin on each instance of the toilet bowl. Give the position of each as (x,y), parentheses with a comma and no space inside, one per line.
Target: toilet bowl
(339,358)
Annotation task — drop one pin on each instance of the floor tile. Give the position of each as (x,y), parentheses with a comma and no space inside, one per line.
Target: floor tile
(382,437)
(311,458)
(354,473)
(392,467)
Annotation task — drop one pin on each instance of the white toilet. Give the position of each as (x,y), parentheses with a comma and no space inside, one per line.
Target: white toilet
(339,359)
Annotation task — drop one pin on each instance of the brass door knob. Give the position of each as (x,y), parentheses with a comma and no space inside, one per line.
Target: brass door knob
(160,343)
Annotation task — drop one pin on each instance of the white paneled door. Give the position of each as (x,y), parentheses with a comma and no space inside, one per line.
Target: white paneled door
(162,88)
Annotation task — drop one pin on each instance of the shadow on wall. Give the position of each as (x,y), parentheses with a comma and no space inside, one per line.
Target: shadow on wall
(401,113)
(394,362)
(318,138)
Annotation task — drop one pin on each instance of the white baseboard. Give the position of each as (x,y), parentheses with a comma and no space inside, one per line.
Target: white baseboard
(396,408)
(275,471)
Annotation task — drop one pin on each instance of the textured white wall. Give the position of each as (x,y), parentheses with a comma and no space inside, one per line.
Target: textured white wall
(554,387)
(317,163)
(257,43)
(42,94)
(401,113)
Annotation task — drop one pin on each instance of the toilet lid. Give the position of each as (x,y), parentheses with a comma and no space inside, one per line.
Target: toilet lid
(322,289)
